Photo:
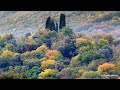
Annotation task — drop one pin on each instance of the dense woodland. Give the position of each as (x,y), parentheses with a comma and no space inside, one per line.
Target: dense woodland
(59,53)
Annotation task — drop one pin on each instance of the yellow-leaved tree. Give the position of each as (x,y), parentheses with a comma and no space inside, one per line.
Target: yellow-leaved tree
(48,74)
(7,55)
(107,68)
(48,63)
(75,61)
(42,49)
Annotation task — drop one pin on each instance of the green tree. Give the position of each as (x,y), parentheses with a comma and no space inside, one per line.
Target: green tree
(67,31)
(102,42)
(33,72)
(90,75)
(89,56)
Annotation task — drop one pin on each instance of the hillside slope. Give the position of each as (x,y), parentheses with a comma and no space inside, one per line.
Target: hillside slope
(19,23)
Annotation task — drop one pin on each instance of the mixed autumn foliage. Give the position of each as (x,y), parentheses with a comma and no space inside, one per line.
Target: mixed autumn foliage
(61,54)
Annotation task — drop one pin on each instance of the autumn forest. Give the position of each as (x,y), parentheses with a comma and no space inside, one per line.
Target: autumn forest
(59,52)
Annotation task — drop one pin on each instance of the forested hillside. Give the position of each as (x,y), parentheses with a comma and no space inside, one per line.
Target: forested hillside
(19,23)
(60,45)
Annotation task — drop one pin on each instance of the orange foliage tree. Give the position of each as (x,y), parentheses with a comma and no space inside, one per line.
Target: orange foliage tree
(82,42)
(53,54)
(107,68)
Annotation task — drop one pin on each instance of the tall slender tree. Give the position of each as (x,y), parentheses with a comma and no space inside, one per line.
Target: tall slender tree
(56,27)
(48,21)
(52,25)
(62,21)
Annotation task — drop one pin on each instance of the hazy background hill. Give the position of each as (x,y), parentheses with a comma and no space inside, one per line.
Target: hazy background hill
(19,23)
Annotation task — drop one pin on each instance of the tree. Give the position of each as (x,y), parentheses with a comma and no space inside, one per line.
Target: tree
(118,67)
(48,63)
(48,74)
(17,60)
(66,73)
(4,64)
(27,47)
(7,55)
(75,61)
(56,27)
(9,75)
(109,38)
(2,43)
(102,42)
(48,21)
(43,49)
(27,35)
(107,68)
(59,66)
(30,63)
(90,75)
(12,74)
(50,24)
(106,52)
(26,55)
(31,55)
(10,47)
(89,56)
(68,50)
(62,21)
(67,31)
(83,49)
(116,42)
(33,72)
(80,42)
(20,46)
(95,63)
(69,73)
(7,37)
(54,55)
(116,53)
(38,53)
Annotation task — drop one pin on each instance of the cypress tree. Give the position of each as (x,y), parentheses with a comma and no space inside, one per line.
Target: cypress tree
(52,25)
(48,21)
(62,21)
(56,27)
